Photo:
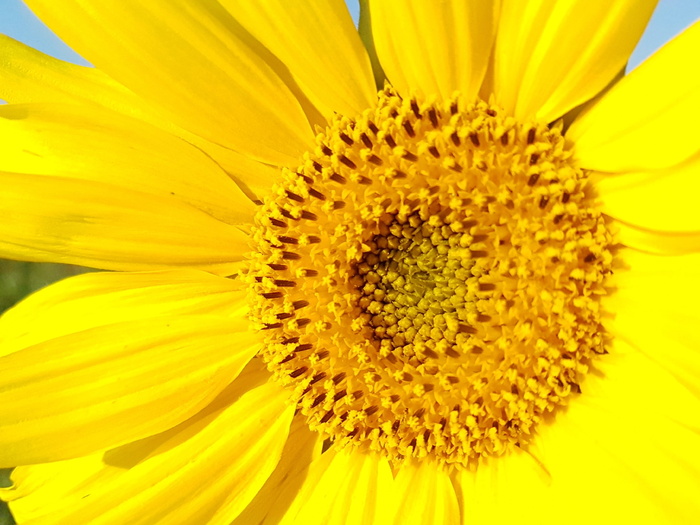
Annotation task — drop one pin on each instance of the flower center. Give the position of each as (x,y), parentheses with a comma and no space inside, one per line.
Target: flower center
(428,279)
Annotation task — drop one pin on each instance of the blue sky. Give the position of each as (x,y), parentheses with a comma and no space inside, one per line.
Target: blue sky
(671,17)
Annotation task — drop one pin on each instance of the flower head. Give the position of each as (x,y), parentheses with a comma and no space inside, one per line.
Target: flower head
(437,271)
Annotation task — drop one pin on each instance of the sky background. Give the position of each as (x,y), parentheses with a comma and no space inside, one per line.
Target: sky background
(670,18)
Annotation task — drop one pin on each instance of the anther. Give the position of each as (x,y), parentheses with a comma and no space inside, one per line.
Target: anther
(291,256)
(285,283)
(272,295)
(346,139)
(287,239)
(408,128)
(432,116)
(475,139)
(315,193)
(410,157)
(415,109)
(337,177)
(455,139)
(434,152)
(531,136)
(543,201)
(293,196)
(319,399)
(305,214)
(390,140)
(533,179)
(371,410)
(278,267)
(366,140)
(534,158)
(344,160)
(300,304)
(278,223)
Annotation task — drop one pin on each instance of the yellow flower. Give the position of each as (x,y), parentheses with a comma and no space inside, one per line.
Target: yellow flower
(465,295)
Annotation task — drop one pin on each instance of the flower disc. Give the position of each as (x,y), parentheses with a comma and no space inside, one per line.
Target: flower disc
(428,280)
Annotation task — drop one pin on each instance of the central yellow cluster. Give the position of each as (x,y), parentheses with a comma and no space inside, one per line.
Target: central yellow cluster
(428,280)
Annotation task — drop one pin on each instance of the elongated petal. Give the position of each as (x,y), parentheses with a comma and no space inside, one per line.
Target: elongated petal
(665,200)
(57,219)
(503,490)
(424,494)
(551,56)
(97,299)
(626,445)
(319,44)
(189,59)
(86,143)
(657,242)
(648,120)
(29,76)
(109,385)
(272,501)
(347,487)
(654,307)
(205,471)
(434,48)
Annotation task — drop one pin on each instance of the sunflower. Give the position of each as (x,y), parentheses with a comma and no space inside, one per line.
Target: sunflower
(440,270)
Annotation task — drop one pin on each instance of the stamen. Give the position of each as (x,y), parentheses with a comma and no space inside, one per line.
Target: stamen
(448,271)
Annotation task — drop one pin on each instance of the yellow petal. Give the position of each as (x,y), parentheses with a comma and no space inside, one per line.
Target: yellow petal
(657,242)
(190,60)
(272,501)
(626,446)
(27,75)
(433,48)
(204,472)
(654,308)
(97,299)
(89,223)
(319,44)
(347,487)
(648,120)
(112,384)
(423,494)
(551,56)
(90,144)
(504,489)
(663,200)
(48,489)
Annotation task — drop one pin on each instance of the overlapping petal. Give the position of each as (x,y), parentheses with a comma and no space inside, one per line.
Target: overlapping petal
(626,446)
(105,386)
(654,308)
(648,120)
(433,48)
(114,228)
(206,470)
(510,488)
(347,487)
(85,143)
(423,493)
(552,56)
(319,44)
(98,299)
(190,60)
